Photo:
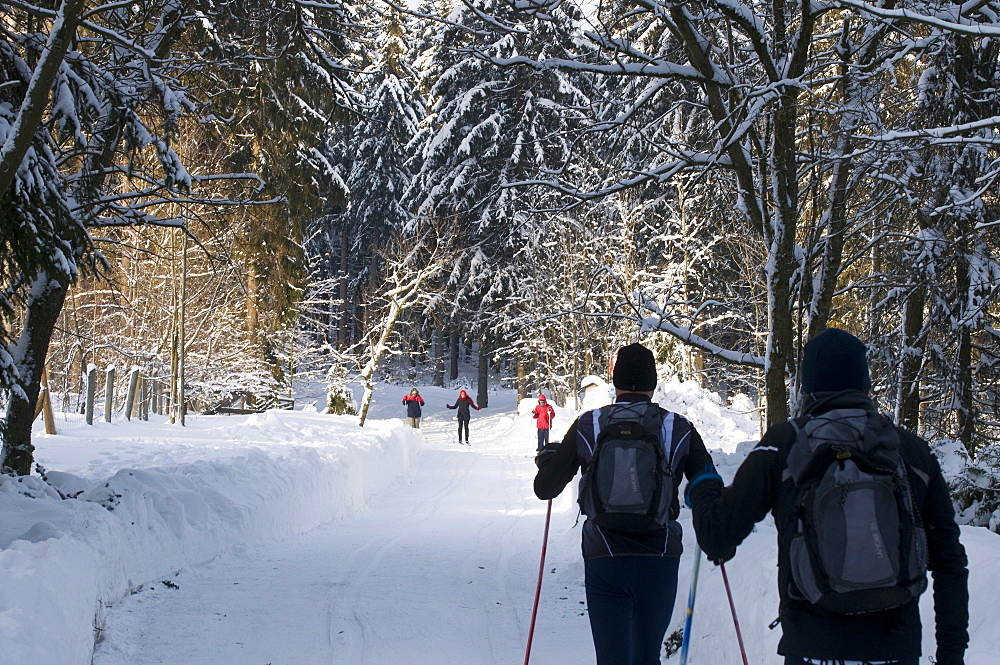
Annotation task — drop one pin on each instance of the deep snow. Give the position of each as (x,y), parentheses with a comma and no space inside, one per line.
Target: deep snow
(297,537)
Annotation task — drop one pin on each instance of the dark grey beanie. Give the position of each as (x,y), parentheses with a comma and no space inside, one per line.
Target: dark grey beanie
(835,360)
(635,369)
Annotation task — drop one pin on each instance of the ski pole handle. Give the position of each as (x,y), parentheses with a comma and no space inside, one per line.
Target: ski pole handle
(538,587)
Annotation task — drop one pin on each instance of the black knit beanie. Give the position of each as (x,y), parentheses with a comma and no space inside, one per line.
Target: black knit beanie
(635,369)
(835,360)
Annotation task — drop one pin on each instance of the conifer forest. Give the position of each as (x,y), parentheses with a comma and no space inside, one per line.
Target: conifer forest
(236,196)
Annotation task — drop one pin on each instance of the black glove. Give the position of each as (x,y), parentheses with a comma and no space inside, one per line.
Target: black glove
(546,454)
(719,558)
(949,658)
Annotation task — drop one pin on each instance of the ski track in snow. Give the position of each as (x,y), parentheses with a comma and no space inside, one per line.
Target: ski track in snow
(435,571)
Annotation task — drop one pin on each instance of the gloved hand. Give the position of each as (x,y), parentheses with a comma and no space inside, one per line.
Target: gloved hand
(546,454)
(719,558)
(947,657)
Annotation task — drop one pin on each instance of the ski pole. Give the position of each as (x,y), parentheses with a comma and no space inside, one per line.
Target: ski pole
(686,640)
(732,606)
(538,588)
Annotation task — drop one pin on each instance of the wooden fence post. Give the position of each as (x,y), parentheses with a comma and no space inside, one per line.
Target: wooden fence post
(158,398)
(50,421)
(133,383)
(109,392)
(144,398)
(91,390)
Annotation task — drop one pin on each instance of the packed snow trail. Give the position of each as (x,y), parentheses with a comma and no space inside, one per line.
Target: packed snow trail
(440,569)
(437,568)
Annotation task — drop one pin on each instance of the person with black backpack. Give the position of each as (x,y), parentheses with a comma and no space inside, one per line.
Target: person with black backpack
(633,455)
(862,513)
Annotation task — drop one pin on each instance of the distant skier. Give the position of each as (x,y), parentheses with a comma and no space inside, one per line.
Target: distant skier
(633,455)
(413,402)
(893,521)
(543,415)
(463,404)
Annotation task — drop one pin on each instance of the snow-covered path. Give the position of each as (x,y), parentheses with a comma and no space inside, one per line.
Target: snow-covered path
(292,538)
(440,569)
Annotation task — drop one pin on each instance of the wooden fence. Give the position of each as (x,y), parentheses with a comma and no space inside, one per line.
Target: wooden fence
(144,395)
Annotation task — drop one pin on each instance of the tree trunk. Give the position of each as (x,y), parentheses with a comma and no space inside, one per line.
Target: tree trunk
(965,413)
(29,358)
(253,311)
(439,356)
(482,394)
(908,395)
(453,352)
(345,310)
(522,380)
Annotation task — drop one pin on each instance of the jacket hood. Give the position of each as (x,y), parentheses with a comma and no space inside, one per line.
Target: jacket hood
(844,399)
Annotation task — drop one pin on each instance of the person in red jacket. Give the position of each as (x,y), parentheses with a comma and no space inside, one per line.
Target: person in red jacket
(413,402)
(543,415)
(463,404)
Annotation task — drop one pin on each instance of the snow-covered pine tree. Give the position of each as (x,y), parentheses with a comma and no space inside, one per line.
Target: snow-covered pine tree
(490,127)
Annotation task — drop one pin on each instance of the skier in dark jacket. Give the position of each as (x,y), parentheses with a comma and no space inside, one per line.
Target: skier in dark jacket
(413,402)
(630,578)
(463,404)
(835,375)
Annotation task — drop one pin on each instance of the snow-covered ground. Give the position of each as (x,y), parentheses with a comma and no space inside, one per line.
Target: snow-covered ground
(295,538)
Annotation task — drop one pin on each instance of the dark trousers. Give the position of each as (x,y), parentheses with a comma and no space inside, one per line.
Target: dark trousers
(543,439)
(463,422)
(798,660)
(630,600)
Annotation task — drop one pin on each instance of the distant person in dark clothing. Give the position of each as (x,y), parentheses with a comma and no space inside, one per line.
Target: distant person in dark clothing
(413,402)
(543,415)
(835,384)
(463,404)
(630,577)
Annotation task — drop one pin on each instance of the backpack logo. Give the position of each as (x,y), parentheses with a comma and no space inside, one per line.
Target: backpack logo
(627,485)
(858,544)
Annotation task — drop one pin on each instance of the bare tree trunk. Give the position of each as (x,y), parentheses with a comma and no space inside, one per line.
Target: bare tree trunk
(29,358)
(378,350)
(181,338)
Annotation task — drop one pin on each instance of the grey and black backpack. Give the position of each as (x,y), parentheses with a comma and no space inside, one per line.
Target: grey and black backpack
(627,484)
(858,544)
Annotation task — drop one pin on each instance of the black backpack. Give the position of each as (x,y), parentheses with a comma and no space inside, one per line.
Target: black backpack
(627,485)
(858,544)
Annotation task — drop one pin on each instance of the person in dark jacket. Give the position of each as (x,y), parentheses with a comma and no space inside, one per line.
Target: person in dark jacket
(463,404)
(413,402)
(835,375)
(630,578)
(543,415)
